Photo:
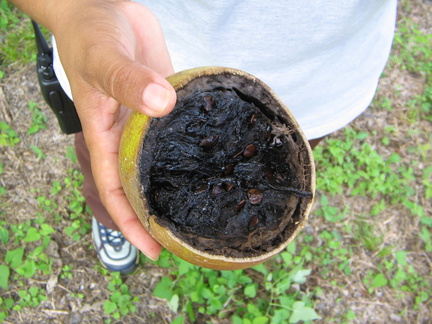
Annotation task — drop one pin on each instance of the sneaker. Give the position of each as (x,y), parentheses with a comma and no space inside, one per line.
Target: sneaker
(113,250)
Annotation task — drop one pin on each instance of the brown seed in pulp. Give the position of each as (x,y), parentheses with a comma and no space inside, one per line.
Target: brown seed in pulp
(255,196)
(250,150)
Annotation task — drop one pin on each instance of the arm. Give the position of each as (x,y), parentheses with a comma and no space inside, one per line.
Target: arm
(115,56)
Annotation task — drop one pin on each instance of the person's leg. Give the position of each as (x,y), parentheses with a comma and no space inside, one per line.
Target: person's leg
(314,142)
(112,249)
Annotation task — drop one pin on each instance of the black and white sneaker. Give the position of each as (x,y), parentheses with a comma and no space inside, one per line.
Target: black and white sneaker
(113,250)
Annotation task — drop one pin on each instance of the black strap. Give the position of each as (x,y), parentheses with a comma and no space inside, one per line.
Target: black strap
(52,91)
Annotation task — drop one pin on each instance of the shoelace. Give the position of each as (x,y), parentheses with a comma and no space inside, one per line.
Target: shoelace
(111,237)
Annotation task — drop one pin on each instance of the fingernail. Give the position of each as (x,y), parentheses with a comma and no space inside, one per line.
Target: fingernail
(156,97)
(153,259)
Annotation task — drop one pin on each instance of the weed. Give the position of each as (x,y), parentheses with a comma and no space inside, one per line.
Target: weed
(3,190)
(330,213)
(264,294)
(18,45)
(66,272)
(333,254)
(366,234)
(362,171)
(401,276)
(4,233)
(56,187)
(427,182)
(40,155)
(8,137)
(385,103)
(26,265)
(375,280)
(79,226)
(414,54)
(70,154)
(30,297)
(38,119)
(426,237)
(24,258)
(6,305)
(413,47)
(120,303)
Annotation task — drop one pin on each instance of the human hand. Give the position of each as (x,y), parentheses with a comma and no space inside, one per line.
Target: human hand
(115,57)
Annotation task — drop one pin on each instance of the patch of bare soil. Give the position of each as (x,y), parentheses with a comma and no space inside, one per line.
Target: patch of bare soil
(398,227)
(80,299)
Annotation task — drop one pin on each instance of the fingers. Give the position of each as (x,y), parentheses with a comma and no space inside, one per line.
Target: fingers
(139,88)
(103,145)
(134,71)
(116,203)
(116,54)
(119,50)
(125,218)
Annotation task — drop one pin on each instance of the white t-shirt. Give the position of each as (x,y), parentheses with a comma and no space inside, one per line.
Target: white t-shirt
(323,58)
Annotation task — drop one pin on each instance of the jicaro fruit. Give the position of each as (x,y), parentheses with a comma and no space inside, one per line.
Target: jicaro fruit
(227,179)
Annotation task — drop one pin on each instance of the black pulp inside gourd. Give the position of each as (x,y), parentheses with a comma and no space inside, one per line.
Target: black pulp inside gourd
(224,171)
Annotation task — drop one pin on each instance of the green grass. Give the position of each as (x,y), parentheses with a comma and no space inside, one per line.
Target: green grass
(120,302)
(19,44)
(352,166)
(255,296)
(73,184)
(25,259)
(38,119)
(8,137)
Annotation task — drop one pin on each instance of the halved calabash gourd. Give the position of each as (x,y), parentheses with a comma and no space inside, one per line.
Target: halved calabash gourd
(225,181)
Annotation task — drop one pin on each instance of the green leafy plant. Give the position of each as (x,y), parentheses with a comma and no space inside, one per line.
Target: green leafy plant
(263,294)
(18,45)
(66,272)
(6,304)
(70,154)
(40,155)
(414,54)
(120,302)
(8,137)
(331,213)
(366,234)
(79,226)
(25,258)
(38,119)
(375,280)
(27,265)
(30,297)
(414,48)
(332,254)
(426,237)
(56,187)
(3,190)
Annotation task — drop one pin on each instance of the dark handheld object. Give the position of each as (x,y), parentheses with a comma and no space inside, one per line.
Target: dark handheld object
(54,95)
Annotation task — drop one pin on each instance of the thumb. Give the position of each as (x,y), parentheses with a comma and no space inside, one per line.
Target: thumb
(138,87)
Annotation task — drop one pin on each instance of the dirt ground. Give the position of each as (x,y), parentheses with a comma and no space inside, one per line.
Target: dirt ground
(26,177)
